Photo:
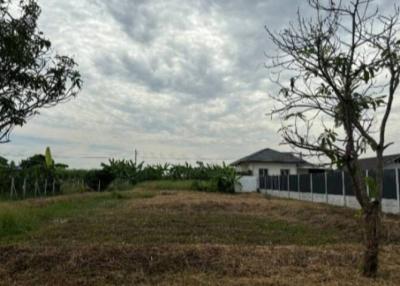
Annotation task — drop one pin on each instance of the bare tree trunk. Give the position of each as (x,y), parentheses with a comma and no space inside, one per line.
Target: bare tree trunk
(371,208)
(372,221)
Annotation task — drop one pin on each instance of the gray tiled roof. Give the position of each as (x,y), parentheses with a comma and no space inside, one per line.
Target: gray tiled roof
(271,156)
(370,163)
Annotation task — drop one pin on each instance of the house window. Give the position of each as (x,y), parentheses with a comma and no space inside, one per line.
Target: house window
(263,172)
(285,172)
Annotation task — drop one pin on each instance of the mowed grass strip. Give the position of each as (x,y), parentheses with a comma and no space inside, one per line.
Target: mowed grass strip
(19,219)
(144,217)
(163,237)
(173,217)
(148,227)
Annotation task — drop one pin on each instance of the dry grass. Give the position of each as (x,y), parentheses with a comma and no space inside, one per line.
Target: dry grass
(187,238)
(191,265)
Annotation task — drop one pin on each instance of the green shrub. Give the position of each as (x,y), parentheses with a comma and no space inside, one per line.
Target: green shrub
(120,185)
(226,180)
(8,224)
(98,178)
(118,195)
(204,186)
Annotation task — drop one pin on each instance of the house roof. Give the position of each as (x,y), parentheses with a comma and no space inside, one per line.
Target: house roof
(271,156)
(371,163)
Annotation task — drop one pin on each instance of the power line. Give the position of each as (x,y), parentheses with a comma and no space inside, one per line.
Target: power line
(96,157)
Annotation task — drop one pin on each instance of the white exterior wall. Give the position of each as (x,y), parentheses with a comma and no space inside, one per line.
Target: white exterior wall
(274,169)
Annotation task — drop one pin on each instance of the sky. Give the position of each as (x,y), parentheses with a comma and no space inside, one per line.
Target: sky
(176,80)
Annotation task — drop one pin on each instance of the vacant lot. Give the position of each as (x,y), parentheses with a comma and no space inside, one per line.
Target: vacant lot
(146,237)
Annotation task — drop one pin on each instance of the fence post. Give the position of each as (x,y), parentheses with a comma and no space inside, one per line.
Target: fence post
(45,187)
(54,186)
(367,175)
(344,189)
(398,189)
(311,187)
(288,185)
(326,188)
(36,187)
(279,184)
(12,187)
(99,187)
(298,186)
(265,183)
(24,189)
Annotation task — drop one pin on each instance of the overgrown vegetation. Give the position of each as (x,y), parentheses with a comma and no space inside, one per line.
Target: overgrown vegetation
(40,175)
(18,219)
(204,177)
(34,176)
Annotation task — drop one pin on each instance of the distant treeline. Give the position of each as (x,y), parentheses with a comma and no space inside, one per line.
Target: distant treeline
(223,177)
(40,174)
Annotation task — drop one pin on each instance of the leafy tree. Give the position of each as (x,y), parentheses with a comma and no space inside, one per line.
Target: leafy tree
(61,166)
(338,74)
(37,160)
(99,180)
(3,162)
(32,76)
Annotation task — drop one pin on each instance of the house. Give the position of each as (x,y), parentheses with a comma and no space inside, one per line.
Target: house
(269,162)
(389,161)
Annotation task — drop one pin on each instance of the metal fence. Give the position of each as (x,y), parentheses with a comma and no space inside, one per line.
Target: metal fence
(26,187)
(331,187)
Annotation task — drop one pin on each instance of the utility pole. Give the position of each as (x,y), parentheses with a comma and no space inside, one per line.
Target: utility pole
(136,154)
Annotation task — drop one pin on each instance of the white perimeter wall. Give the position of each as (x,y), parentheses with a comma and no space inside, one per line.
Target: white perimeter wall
(247,184)
(388,206)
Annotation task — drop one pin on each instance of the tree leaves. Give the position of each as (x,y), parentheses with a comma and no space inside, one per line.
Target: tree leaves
(32,77)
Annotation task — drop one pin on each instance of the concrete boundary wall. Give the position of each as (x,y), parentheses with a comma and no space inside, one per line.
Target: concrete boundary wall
(388,206)
(247,184)
(333,189)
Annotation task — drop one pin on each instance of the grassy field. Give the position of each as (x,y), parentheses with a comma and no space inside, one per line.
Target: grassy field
(155,236)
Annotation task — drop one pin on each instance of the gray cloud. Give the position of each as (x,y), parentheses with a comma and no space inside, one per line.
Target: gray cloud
(168,77)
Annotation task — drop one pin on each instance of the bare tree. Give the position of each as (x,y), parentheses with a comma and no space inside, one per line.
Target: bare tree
(338,73)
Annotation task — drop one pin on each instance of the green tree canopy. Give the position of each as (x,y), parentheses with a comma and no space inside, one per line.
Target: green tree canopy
(32,76)
(3,162)
(34,161)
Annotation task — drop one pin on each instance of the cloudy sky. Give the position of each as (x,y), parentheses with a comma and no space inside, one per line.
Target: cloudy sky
(177,80)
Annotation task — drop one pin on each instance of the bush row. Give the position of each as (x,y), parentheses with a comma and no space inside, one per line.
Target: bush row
(222,178)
